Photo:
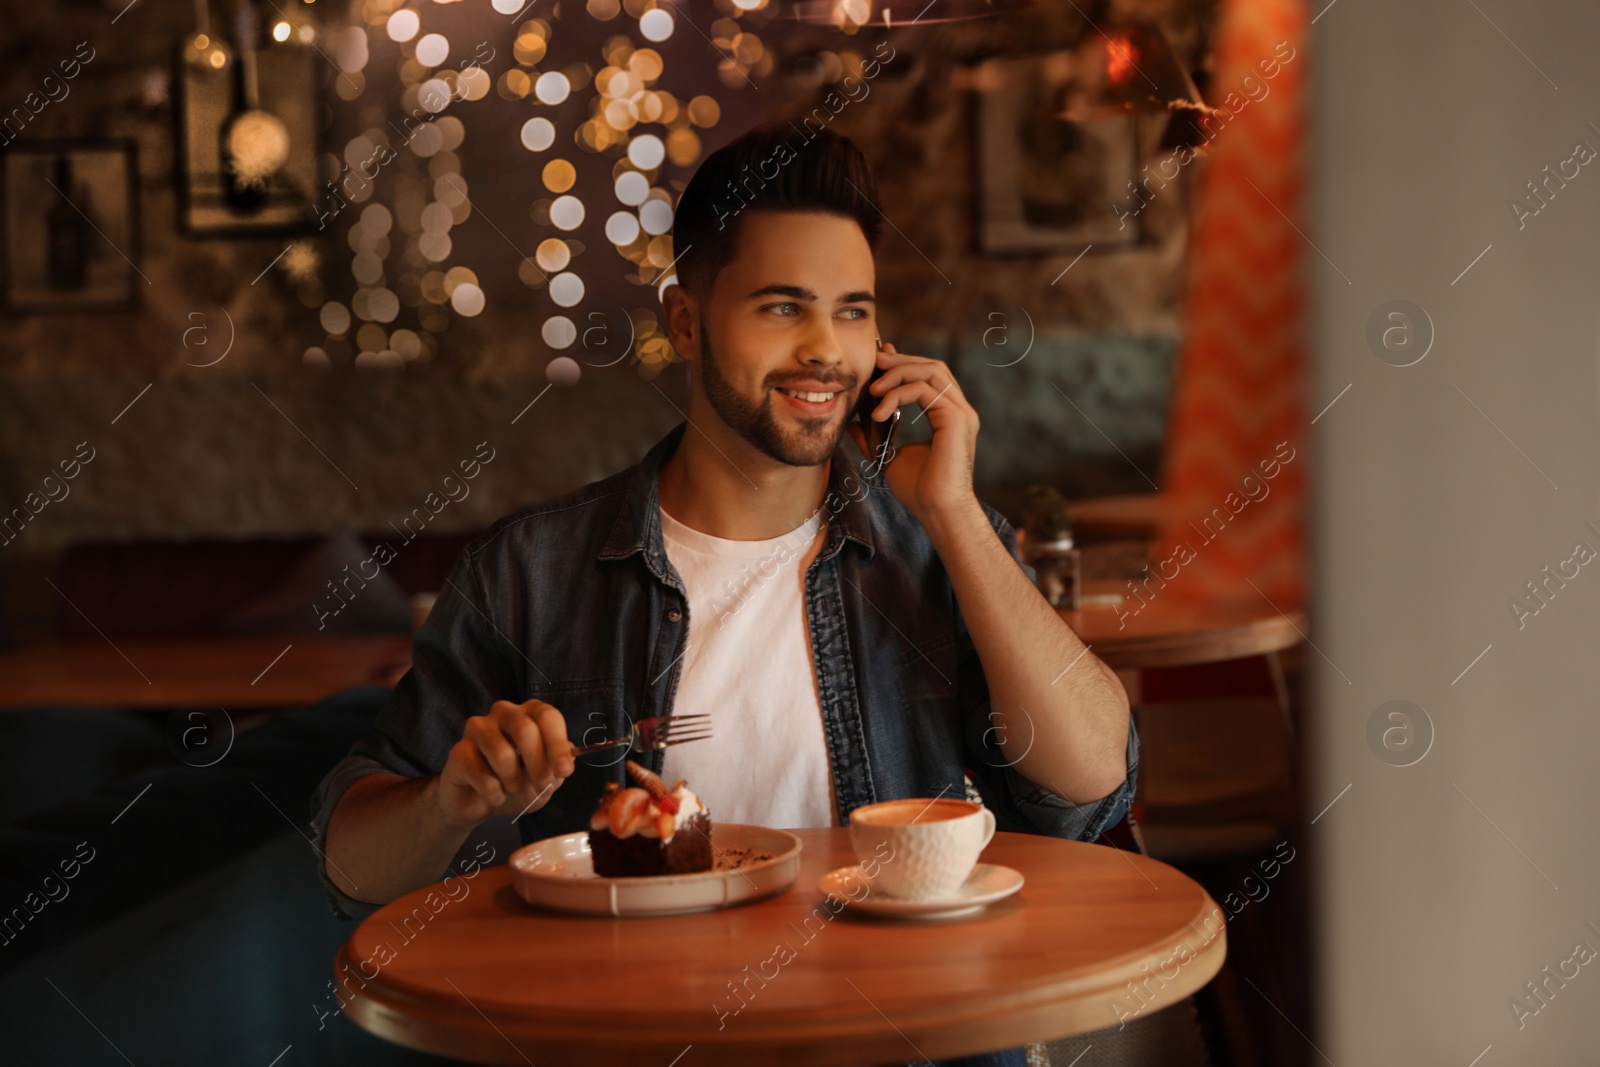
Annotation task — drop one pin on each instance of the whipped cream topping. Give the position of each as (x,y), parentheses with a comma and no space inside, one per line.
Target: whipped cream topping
(632,811)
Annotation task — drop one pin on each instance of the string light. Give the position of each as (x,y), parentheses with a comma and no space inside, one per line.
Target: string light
(401,239)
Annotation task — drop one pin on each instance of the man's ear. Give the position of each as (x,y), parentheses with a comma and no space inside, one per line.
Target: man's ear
(682,322)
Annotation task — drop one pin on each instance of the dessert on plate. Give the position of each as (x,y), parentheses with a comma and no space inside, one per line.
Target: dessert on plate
(649,829)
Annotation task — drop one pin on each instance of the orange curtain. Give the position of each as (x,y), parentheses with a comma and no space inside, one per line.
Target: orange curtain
(1235,469)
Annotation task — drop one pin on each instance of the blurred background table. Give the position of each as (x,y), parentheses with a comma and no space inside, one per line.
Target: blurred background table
(490,979)
(244,672)
(1169,631)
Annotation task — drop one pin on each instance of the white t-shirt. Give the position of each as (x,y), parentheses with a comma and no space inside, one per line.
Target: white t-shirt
(748,665)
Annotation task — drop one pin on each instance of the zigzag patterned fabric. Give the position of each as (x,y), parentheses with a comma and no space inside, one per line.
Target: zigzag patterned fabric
(1235,469)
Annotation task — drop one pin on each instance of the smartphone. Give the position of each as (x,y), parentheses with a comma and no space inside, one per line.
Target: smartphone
(880,435)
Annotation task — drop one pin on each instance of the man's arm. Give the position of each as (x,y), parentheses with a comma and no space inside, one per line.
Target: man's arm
(450,751)
(390,834)
(1061,715)
(1038,672)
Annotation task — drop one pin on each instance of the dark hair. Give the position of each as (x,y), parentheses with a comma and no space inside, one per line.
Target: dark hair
(769,168)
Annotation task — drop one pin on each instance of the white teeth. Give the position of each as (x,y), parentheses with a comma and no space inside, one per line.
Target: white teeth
(815,398)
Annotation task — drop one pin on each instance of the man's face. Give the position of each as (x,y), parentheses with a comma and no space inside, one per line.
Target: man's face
(792,314)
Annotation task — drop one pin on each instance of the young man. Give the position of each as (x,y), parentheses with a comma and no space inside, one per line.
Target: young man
(854,637)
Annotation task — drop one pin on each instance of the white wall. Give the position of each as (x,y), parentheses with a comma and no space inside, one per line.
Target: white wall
(1430,918)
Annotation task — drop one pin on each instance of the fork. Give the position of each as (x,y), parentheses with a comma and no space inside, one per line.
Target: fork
(663,731)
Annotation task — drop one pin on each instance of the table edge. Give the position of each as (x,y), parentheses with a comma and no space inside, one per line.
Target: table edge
(1065,1007)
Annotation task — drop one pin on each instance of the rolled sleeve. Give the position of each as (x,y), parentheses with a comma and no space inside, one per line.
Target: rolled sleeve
(461,663)
(1055,815)
(345,773)
(1020,802)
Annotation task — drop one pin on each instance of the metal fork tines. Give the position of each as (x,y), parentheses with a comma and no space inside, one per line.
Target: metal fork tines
(663,731)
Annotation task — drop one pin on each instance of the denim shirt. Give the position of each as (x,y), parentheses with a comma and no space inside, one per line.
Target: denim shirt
(573,602)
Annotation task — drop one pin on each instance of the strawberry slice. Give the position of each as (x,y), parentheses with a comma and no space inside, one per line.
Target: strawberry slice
(629,810)
(655,786)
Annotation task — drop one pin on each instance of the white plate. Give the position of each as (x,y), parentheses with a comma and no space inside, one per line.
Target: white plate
(558,873)
(987,883)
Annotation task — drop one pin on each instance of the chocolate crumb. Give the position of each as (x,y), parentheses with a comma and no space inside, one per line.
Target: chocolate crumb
(731,859)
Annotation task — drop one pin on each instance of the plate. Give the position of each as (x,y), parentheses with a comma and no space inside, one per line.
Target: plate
(750,863)
(987,883)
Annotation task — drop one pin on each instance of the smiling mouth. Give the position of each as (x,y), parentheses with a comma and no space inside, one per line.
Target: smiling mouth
(809,396)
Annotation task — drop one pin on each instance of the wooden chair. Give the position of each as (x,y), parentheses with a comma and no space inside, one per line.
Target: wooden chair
(1214,778)
(1217,788)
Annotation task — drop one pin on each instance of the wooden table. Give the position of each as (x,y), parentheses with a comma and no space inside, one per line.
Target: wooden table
(1170,631)
(490,979)
(1136,516)
(244,672)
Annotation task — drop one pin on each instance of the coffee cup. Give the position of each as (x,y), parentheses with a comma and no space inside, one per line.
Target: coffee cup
(921,849)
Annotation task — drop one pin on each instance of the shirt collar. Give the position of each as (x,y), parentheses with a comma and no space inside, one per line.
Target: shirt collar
(638,524)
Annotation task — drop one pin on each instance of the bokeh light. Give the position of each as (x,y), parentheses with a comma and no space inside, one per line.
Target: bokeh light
(559,175)
(621,228)
(538,134)
(656,24)
(553,254)
(434,94)
(704,111)
(403,25)
(376,220)
(383,305)
(632,188)
(335,317)
(552,87)
(407,343)
(566,289)
(433,49)
(656,216)
(566,213)
(646,151)
(563,371)
(467,299)
(473,83)
(558,332)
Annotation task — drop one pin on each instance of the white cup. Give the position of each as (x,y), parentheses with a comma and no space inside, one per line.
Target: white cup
(920,849)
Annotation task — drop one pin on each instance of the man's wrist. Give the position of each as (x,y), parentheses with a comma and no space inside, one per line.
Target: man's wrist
(953,519)
(431,791)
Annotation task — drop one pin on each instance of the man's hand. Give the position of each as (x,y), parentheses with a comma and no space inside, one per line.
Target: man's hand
(508,762)
(936,476)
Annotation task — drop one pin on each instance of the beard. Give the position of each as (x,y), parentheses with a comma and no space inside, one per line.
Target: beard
(811,444)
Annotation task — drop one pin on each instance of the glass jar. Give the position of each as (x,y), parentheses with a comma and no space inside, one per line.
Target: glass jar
(1058,569)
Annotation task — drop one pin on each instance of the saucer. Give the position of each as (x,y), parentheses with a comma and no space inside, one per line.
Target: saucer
(987,883)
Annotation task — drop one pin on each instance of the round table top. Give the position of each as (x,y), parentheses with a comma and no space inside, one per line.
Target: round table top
(1094,936)
(1171,631)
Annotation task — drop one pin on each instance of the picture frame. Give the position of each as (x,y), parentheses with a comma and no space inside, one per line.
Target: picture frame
(1047,185)
(71,225)
(207,95)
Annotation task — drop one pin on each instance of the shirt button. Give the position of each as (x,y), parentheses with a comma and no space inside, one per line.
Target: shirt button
(674,615)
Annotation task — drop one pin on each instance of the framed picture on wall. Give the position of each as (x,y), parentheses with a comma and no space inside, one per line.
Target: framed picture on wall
(71,231)
(247,136)
(1047,185)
